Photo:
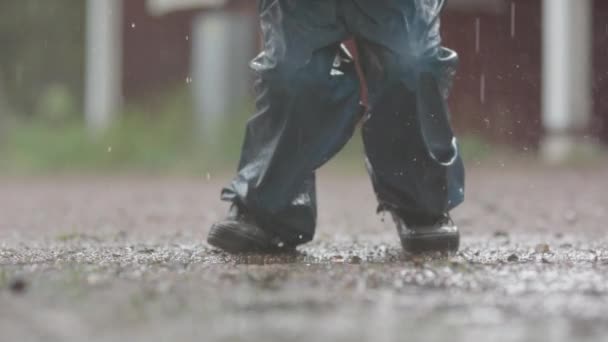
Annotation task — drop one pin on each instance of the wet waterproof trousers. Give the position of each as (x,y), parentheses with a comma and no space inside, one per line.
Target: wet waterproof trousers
(308,106)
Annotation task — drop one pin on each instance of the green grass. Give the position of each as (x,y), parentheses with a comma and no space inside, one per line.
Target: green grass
(157,138)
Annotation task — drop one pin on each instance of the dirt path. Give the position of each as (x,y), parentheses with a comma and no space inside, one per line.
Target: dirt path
(104,259)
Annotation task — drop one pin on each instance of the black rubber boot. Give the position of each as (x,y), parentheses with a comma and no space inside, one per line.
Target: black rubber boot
(239,233)
(428,235)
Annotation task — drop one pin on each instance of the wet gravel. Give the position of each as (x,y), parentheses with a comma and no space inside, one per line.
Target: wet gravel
(106,259)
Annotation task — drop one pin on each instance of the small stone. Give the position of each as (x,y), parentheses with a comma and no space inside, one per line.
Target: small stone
(513,258)
(355,260)
(501,234)
(418,261)
(337,258)
(146,250)
(17,286)
(455,264)
(542,248)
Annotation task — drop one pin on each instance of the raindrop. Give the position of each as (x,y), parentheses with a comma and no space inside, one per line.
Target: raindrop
(132,25)
(482,88)
(187,37)
(477,34)
(513,13)
(188,80)
(208,176)
(301,237)
(109,149)
(281,244)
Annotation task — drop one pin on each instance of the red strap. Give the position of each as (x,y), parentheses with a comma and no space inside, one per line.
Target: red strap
(352,47)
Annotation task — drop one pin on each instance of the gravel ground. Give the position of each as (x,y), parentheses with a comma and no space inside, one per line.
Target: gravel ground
(124,259)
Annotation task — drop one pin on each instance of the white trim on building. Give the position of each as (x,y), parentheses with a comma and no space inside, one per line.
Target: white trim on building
(162,7)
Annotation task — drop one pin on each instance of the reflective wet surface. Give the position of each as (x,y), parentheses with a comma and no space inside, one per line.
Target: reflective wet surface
(104,259)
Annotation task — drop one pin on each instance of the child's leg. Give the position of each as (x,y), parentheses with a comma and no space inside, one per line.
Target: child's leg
(307,108)
(411,150)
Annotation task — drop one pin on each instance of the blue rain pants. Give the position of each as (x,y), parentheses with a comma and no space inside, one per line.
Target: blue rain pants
(308,106)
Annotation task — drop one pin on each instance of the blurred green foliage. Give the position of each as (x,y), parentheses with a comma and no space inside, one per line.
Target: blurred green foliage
(41,56)
(157,137)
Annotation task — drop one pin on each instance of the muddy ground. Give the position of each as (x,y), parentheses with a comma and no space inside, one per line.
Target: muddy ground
(124,259)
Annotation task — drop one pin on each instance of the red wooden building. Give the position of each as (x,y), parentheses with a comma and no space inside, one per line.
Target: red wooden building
(497,93)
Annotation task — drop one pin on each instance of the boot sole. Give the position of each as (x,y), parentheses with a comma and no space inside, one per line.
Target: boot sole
(230,237)
(429,243)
